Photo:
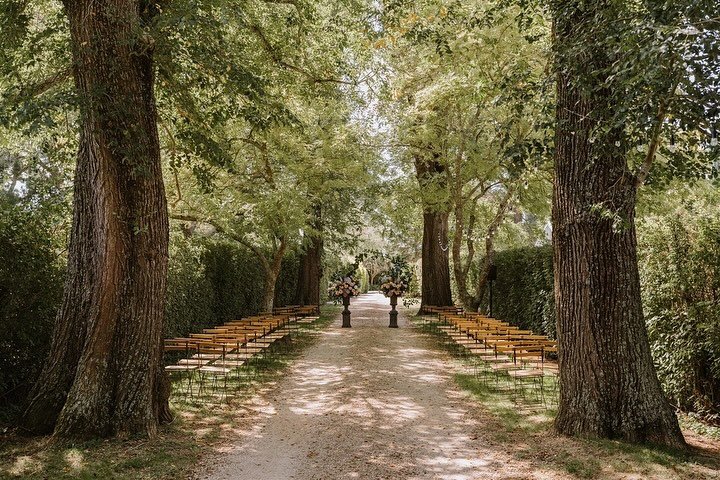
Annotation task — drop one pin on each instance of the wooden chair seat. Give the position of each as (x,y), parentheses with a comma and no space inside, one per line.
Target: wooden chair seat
(526,373)
(505,366)
(214,370)
(230,363)
(181,368)
(193,361)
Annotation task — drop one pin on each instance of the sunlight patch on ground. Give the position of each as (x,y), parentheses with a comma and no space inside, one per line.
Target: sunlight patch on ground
(24,464)
(74,459)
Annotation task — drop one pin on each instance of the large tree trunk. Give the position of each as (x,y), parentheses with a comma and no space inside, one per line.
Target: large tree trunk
(310,273)
(608,384)
(310,269)
(104,375)
(435,288)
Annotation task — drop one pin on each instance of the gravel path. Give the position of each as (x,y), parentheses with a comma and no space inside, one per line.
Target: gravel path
(372,403)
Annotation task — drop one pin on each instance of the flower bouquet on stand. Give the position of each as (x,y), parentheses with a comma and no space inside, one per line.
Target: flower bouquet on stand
(394,288)
(344,289)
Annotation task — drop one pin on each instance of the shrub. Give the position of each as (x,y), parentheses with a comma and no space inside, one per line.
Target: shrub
(679,262)
(523,291)
(211,281)
(680,272)
(31,279)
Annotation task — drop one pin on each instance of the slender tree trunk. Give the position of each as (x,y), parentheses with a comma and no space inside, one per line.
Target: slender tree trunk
(268,301)
(608,384)
(460,268)
(435,288)
(489,259)
(104,374)
(272,272)
(310,270)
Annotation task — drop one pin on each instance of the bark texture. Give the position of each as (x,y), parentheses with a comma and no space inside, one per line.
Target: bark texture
(435,289)
(104,375)
(310,269)
(272,269)
(608,384)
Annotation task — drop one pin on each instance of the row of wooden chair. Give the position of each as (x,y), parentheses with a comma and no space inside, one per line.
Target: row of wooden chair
(451,309)
(298,310)
(502,349)
(216,353)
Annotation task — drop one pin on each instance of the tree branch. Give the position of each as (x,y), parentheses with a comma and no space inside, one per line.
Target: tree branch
(645,167)
(238,238)
(57,78)
(269,48)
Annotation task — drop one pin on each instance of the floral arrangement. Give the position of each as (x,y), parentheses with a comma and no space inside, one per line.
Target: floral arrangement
(345,287)
(394,287)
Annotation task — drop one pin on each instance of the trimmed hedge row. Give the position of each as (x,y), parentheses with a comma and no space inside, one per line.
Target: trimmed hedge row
(209,282)
(31,281)
(523,291)
(212,281)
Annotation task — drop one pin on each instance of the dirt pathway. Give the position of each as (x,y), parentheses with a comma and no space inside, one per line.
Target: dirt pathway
(368,402)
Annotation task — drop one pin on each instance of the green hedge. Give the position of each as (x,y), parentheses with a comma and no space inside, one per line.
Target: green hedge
(680,272)
(209,282)
(523,291)
(212,281)
(31,280)
(679,260)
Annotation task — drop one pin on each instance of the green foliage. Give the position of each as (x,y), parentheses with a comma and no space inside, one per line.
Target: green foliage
(211,281)
(362,278)
(31,279)
(523,292)
(680,271)
(679,260)
(650,71)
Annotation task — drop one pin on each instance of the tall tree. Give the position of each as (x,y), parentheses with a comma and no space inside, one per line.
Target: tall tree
(104,375)
(608,384)
(470,109)
(435,284)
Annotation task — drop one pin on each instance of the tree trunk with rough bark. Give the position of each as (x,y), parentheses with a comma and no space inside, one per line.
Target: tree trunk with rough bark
(310,269)
(608,384)
(104,375)
(310,274)
(435,289)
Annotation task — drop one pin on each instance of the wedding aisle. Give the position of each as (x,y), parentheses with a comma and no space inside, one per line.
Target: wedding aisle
(368,402)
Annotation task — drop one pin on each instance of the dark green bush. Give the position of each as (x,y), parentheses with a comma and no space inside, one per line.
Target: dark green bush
(31,278)
(680,272)
(523,292)
(679,260)
(211,281)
